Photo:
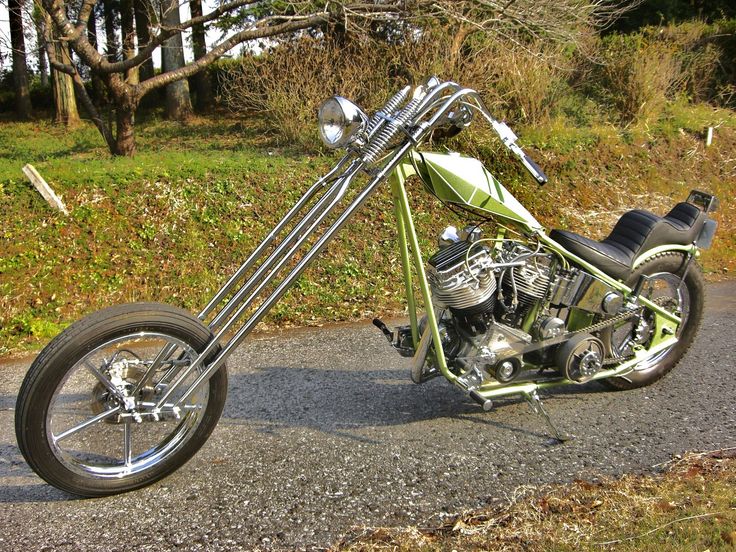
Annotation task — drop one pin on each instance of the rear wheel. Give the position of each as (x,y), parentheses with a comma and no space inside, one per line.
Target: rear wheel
(663,288)
(84,421)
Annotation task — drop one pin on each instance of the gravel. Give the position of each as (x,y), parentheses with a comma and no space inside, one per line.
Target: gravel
(323,434)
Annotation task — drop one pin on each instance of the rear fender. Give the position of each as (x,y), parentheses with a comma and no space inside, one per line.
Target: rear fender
(685,249)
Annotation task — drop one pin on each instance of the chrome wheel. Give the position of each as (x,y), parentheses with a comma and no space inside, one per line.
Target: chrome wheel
(89,417)
(665,290)
(678,294)
(99,424)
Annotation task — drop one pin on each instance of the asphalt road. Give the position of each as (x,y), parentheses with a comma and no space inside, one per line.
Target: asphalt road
(323,433)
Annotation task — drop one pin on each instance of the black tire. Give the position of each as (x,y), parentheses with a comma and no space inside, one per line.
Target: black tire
(671,265)
(66,360)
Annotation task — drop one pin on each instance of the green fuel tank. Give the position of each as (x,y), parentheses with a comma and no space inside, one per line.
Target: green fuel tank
(455,178)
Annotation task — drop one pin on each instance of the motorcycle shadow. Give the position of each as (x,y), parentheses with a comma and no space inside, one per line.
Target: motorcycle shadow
(345,401)
(12,467)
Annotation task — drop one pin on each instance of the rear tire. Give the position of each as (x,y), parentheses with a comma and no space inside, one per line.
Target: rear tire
(74,380)
(668,268)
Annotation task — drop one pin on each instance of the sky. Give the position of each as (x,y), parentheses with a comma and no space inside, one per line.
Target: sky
(6,62)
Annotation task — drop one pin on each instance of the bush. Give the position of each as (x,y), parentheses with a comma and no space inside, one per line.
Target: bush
(639,76)
(288,83)
(641,71)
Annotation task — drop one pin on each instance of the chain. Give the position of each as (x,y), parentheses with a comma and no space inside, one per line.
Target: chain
(605,324)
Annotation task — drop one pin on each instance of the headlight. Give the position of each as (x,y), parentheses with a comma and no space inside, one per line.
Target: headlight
(340,122)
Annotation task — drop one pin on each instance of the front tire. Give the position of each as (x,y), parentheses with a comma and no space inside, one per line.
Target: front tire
(74,421)
(666,270)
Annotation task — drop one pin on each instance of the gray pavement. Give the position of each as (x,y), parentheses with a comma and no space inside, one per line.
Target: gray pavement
(323,433)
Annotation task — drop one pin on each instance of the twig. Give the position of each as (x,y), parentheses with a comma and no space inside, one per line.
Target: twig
(676,461)
(657,529)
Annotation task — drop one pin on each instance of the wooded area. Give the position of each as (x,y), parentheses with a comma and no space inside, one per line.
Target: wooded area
(100,52)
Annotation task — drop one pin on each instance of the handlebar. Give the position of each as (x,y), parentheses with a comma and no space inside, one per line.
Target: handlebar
(439,99)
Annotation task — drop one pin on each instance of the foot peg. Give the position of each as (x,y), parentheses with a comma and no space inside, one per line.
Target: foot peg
(487,404)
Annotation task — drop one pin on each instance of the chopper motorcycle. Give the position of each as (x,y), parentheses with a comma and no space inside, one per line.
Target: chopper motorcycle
(128,394)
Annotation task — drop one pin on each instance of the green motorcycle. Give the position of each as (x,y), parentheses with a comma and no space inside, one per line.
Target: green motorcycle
(128,394)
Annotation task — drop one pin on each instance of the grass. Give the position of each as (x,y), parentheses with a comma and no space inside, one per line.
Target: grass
(174,222)
(690,506)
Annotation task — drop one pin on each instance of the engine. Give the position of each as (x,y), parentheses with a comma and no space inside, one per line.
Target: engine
(499,300)
(474,280)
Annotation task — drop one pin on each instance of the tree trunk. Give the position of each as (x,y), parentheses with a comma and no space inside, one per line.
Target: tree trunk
(125,132)
(20,69)
(98,88)
(43,66)
(178,102)
(143,14)
(65,103)
(128,31)
(202,80)
(111,38)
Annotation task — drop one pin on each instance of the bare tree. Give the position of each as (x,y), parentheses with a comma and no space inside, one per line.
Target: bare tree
(20,69)
(127,28)
(40,25)
(65,103)
(270,18)
(144,17)
(202,82)
(110,10)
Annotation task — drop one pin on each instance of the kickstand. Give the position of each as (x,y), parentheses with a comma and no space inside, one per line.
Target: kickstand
(538,408)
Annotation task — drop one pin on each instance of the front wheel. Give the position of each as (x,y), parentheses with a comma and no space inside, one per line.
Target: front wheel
(87,425)
(666,288)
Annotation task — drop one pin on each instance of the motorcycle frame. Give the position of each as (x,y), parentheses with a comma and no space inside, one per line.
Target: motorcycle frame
(665,325)
(229,305)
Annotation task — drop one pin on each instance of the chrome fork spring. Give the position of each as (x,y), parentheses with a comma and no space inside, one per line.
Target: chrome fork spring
(389,131)
(388,109)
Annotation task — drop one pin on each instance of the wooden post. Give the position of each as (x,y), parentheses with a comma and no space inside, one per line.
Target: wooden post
(44,189)
(709,137)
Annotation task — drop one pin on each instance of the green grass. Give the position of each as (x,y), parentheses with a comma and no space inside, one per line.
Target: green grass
(172,223)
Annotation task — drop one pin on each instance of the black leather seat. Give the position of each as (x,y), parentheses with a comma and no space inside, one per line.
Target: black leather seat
(635,233)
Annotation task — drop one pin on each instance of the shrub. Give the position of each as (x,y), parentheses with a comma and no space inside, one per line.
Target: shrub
(639,75)
(287,84)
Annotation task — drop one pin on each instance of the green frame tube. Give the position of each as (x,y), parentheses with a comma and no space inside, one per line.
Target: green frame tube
(405,223)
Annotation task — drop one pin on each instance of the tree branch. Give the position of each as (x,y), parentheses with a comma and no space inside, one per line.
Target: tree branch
(83,17)
(222,48)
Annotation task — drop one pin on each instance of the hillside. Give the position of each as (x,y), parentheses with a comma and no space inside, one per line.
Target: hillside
(174,222)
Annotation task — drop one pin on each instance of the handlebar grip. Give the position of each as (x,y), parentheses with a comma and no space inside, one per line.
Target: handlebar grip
(535,169)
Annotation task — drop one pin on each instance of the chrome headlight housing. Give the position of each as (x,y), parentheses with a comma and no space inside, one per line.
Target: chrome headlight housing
(340,122)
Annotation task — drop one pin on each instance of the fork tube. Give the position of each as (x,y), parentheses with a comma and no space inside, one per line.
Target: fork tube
(245,305)
(316,249)
(284,258)
(317,213)
(166,352)
(308,195)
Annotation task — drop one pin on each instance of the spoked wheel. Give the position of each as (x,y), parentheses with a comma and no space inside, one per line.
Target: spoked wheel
(666,289)
(85,420)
